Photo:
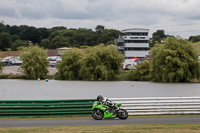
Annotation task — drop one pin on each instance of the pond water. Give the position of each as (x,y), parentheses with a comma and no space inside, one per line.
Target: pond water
(55,89)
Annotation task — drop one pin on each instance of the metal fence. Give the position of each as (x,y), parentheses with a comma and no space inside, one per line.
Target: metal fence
(80,107)
(37,108)
(160,105)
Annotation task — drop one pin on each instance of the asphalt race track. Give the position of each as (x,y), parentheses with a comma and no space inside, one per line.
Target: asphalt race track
(84,122)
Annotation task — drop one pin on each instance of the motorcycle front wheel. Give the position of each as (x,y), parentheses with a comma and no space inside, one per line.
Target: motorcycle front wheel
(97,114)
(122,114)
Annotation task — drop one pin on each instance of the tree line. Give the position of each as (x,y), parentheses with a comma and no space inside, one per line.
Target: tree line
(175,60)
(12,37)
(94,63)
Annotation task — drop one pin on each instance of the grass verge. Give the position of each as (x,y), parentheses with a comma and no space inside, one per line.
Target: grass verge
(12,77)
(87,117)
(8,76)
(150,128)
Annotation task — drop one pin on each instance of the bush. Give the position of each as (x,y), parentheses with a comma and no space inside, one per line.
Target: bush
(69,67)
(1,66)
(101,63)
(123,76)
(34,63)
(94,63)
(175,61)
(12,77)
(141,73)
(2,76)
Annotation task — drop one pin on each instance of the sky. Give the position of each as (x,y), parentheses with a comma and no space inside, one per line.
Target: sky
(175,17)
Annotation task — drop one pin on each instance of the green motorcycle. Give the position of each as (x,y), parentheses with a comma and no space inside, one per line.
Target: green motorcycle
(103,110)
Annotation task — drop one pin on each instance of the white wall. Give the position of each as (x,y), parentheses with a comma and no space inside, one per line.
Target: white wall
(136,53)
(136,45)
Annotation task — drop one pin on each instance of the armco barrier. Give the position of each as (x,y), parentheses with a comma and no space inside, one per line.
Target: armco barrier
(160,105)
(36,108)
(79,107)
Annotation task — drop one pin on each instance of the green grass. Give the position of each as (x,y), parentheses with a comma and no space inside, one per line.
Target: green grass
(146,128)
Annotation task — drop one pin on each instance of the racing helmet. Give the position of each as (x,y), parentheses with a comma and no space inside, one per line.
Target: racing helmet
(100,98)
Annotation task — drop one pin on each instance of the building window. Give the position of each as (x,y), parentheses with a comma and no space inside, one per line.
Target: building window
(135,34)
(135,37)
(137,49)
(120,44)
(136,41)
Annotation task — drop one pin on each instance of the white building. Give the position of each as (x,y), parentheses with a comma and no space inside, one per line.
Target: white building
(133,43)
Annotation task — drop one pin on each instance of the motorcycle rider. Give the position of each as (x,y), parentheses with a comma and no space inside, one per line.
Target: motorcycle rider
(108,102)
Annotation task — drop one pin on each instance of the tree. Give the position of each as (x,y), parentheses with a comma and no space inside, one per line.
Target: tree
(141,73)
(58,28)
(99,29)
(18,43)
(15,37)
(45,43)
(2,27)
(23,28)
(194,38)
(70,36)
(5,41)
(1,65)
(32,34)
(110,42)
(101,63)
(52,35)
(59,41)
(160,33)
(175,61)
(34,63)
(197,46)
(14,30)
(68,33)
(103,38)
(44,33)
(69,67)
(157,37)
(107,36)
(85,37)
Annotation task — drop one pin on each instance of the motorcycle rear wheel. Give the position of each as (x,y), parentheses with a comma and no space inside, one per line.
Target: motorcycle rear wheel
(97,114)
(122,114)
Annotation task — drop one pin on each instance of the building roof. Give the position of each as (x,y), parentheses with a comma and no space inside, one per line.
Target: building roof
(135,29)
